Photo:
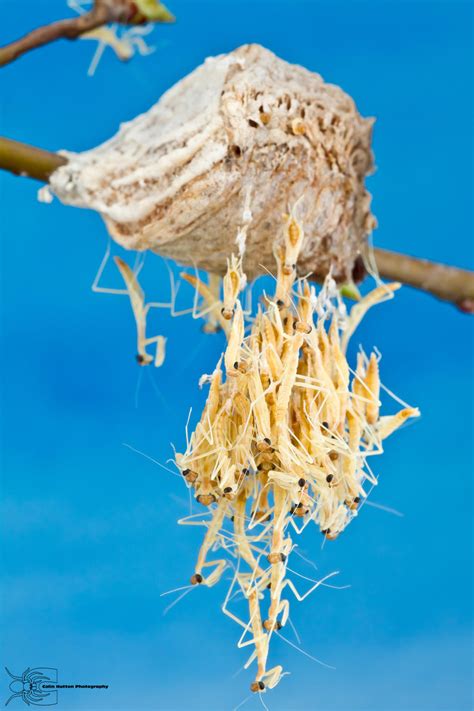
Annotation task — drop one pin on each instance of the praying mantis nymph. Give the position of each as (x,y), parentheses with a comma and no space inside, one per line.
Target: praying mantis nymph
(140,312)
(140,308)
(214,306)
(233,283)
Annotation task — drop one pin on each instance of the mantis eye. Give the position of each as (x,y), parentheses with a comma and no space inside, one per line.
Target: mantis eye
(269,626)
(227,313)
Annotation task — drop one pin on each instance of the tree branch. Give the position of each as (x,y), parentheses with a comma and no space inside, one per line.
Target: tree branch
(103,12)
(446,283)
(27,161)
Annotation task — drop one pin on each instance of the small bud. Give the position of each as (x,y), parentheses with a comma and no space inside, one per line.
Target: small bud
(150,11)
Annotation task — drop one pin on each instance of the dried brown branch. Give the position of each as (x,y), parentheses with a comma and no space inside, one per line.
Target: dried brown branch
(103,12)
(446,283)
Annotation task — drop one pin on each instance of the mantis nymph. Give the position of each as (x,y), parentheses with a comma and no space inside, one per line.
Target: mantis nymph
(140,310)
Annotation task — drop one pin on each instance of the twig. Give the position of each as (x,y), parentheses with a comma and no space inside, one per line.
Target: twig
(27,161)
(103,12)
(447,283)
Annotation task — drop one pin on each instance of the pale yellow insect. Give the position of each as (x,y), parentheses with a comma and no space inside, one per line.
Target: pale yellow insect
(140,311)
(294,237)
(209,540)
(372,382)
(235,339)
(233,283)
(381,293)
(388,425)
(213,307)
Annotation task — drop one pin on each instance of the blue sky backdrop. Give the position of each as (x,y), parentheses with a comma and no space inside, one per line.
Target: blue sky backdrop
(89,527)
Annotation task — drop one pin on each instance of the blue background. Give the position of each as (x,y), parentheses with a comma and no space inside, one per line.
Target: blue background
(90,537)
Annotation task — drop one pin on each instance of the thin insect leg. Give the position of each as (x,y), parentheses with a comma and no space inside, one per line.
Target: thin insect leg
(186,521)
(393,396)
(321,583)
(254,521)
(381,293)
(175,287)
(101,45)
(241,538)
(248,299)
(187,427)
(139,263)
(153,339)
(259,637)
(288,583)
(156,305)
(215,576)
(294,525)
(196,458)
(207,295)
(227,599)
(160,353)
(140,44)
(95,284)
(214,526)
(214,284)
(77,6)
(241,643)
(272,677)
(277,557)
(370,476)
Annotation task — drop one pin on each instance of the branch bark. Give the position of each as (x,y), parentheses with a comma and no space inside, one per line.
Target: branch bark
(102,13)
(28,161)
(447,283)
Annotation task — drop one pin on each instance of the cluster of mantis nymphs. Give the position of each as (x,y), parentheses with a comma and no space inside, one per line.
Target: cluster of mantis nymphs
(284,436)
(283,439)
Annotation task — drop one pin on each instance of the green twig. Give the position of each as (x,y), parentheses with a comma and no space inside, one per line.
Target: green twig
(27,161)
